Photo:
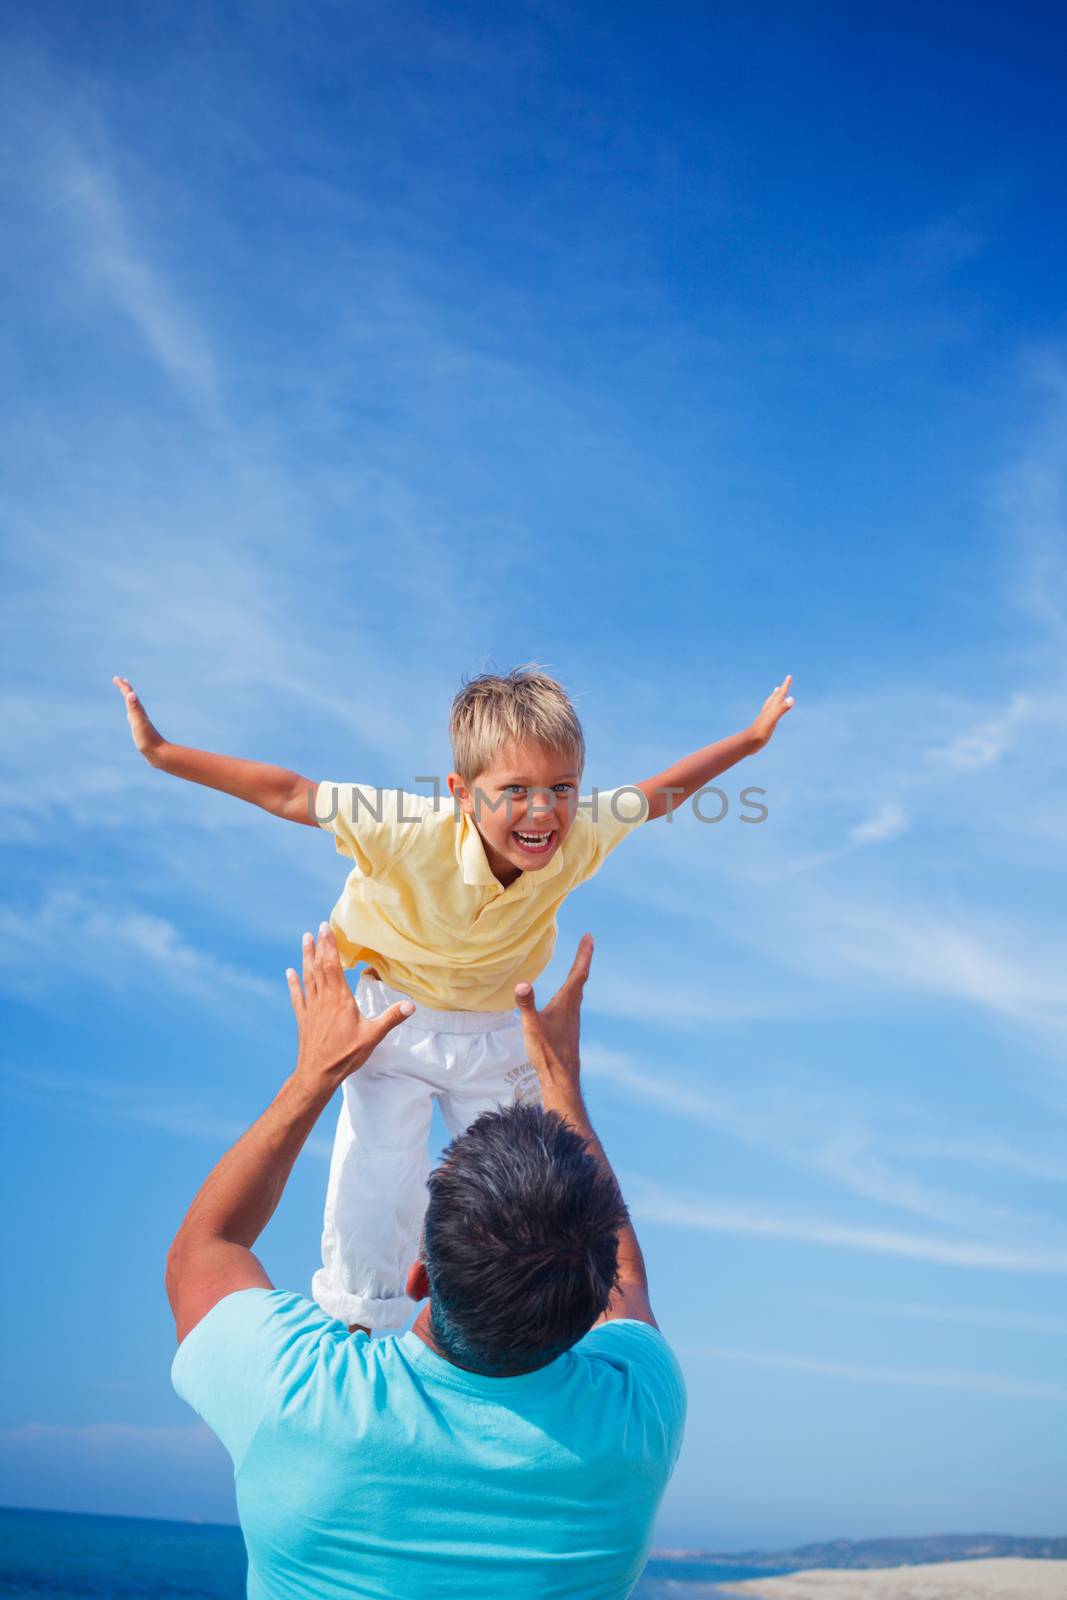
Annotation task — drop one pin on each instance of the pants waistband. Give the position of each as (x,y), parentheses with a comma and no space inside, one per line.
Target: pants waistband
(374,997)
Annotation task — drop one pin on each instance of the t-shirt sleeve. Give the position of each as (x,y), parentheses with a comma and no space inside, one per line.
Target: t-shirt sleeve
(656,1385)
(372,826)
(611,815)
(244,1356)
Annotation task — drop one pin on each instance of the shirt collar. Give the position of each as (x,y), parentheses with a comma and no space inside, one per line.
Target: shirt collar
(477,871)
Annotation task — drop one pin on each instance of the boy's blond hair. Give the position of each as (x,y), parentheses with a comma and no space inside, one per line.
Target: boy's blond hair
(524,705)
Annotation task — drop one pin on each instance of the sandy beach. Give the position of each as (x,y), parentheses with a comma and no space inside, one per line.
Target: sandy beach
(998,1579)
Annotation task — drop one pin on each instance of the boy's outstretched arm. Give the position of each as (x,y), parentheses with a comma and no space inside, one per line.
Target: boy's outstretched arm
(284,793)
(670,788)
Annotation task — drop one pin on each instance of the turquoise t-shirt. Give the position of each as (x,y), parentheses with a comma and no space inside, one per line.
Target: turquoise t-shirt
(376,1470)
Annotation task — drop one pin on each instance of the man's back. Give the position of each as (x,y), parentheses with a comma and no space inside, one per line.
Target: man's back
(378,1469)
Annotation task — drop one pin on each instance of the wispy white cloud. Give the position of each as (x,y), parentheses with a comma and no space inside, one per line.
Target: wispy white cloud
(78,190)
(987,1383)
(1031,1161)
(889,820)
(654,1204)
(128,1103)
(831,922)
(118,263)
(851,942)
(226,578)
(861,1149)
(886,756)
(963,1316)
(986,743)
(975,958)
(41,947)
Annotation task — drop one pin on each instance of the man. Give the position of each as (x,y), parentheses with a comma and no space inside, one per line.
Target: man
(516,1441)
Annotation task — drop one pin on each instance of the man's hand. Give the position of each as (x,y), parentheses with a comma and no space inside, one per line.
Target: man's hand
(552,1036)
(146,737)
(212,1251)
(774,708)
(335,1037)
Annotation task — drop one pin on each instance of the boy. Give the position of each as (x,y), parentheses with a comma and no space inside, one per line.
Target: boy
(449,906)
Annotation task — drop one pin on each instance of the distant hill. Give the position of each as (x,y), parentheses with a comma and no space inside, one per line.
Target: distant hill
(858,1553)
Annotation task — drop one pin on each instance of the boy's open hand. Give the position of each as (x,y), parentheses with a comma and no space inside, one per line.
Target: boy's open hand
(552,1036)
(335,1038)
(146,736)
(774,708)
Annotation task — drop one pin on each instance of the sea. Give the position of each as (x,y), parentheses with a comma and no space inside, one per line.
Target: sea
(57,1555)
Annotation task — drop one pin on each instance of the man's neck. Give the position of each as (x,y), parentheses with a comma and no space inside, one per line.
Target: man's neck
(423,1327)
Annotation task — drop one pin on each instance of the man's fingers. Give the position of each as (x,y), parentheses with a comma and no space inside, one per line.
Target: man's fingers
(310,978)
(788,681)
(328,957)
(580,965)
(532,1031)
(528,1012)
(296,994)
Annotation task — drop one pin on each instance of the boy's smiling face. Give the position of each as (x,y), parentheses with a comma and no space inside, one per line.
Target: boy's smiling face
(523,805)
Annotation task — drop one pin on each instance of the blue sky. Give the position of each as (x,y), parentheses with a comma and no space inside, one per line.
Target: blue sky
(353,347)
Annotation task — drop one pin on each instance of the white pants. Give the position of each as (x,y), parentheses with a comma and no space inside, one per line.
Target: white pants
(469,1061)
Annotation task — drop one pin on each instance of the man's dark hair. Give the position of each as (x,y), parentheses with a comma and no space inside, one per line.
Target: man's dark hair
(520,1241)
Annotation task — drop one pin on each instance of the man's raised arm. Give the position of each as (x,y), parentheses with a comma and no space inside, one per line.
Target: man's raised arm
(211,1256)
(552,1045)
(275,789)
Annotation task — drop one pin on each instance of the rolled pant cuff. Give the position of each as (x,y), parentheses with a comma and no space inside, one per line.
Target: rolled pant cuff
(387,1314)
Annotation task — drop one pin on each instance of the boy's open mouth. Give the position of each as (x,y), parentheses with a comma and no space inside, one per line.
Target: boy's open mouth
(533,844)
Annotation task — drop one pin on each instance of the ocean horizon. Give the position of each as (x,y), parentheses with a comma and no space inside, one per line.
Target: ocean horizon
(73,1555)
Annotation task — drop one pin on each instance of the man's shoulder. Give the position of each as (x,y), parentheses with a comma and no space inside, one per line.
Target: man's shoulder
(253,1350)
(625,1338)
(255,1338)
(640,1351)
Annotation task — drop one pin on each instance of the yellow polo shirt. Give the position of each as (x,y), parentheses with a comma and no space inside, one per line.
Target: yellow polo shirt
(423,905)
